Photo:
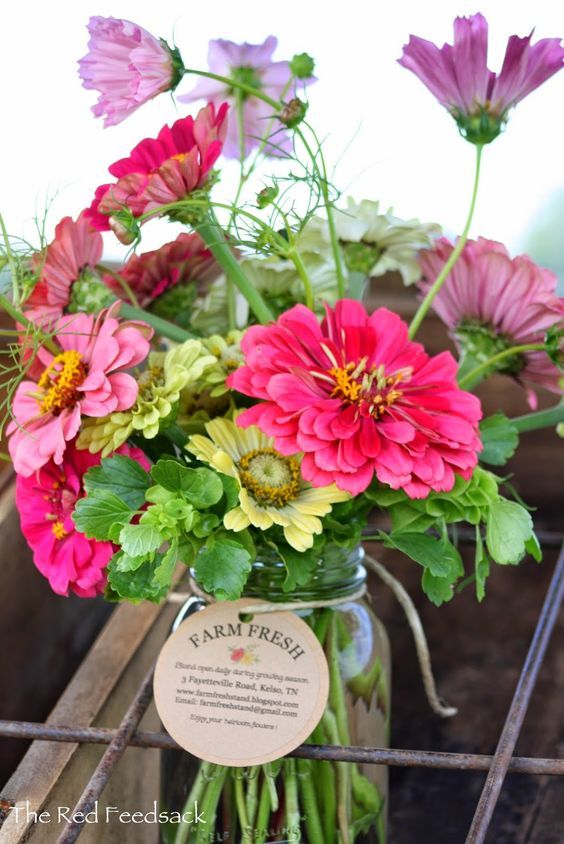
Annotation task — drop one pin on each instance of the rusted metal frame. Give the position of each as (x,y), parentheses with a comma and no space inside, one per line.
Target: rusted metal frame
(514,721)
(333,753)
(118,744)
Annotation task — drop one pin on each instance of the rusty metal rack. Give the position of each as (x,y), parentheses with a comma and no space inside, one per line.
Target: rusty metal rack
(497,765)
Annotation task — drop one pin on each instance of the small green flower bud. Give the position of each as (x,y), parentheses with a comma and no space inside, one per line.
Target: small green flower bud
(481,128)
(361,257)
(266,196)
(293,112)
(302,66)
(178,68)
(125,227)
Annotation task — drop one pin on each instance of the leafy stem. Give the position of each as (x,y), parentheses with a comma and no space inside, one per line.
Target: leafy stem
(475,375)
(20,318)
(454,255)
(540,419)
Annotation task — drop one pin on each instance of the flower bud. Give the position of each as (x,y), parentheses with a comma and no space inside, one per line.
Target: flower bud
(125,227)
(481,128)
(293,112)
(302,66)
(89,294)
(267,195)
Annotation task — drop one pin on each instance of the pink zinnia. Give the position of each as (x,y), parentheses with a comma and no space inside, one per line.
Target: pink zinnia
(87,378)
(46,501)
(75,249)
(151,274)
(128,66)
(252,65)
(491,302)
(458,75)
(162,170)
(359,399)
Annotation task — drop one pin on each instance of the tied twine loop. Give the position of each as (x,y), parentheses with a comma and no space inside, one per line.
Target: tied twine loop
(439,706)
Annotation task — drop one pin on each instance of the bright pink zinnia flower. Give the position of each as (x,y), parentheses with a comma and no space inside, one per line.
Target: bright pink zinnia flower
(491,302)
(358,398)
(75,248)
(128,66)
(46,501)
(250,64)
(150,274)
(86,378)
(162,170)
(458,75)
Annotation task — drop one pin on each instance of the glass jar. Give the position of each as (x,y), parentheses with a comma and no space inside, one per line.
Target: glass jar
(298,800)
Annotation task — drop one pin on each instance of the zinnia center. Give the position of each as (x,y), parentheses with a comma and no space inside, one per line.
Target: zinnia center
(371,390)
(270,477)
(60,382)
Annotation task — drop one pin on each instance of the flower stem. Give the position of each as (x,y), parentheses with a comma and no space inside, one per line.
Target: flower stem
(214,239)
(292,805)
(162,326)
(302,272)
(210,802)
(454,255)
(475,375)
(230,84)
(312,820)
(20,318)
(195,794)
(121,281)
(261,829)
(541,419)
(242,809)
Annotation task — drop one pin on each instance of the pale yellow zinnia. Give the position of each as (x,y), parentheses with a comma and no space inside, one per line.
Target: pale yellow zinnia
(271,488)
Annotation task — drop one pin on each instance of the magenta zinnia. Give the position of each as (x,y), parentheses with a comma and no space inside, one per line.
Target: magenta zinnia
(164,169)
(359,399)
(75,250)
(87,377)
(128,66)
(491,302)
(151,274)
(458,75)
(46,501)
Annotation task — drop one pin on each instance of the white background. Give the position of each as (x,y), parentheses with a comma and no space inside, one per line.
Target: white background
(399,145)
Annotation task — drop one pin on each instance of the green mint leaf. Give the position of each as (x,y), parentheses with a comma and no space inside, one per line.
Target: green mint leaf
(139,540)
(222,568)
(500,438)
(509,529)
(137,585)
(120,475)
(438,589)
(201,487)
(438,556)
(96,516)
(165,569)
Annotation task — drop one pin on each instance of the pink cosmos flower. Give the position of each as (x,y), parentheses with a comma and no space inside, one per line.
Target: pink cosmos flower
(250,64)
(75,248)
(358,398)
(491,302)
(86,378)
(458,75)
(162,170)
(150,274)
(128,66)
(46,501)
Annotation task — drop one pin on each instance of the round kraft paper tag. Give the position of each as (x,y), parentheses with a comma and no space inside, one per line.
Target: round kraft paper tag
(241,693)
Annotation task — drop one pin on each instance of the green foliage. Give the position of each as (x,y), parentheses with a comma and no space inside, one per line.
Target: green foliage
(95,516)
(509,529)
(222,568)
(499,438)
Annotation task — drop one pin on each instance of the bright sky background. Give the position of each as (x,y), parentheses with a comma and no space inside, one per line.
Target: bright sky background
(403,148)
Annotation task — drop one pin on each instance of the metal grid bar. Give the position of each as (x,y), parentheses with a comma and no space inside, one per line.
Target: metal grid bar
(498,765)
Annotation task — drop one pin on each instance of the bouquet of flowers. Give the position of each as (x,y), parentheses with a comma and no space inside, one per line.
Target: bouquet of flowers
(226,402)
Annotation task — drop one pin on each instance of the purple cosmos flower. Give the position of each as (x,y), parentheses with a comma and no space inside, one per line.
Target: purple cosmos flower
(458,75)
(128,66)
(252,65)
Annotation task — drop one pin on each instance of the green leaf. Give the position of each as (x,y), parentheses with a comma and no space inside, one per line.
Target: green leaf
(134,586)
(299,566)
(500,438)
(231,491)
(201,487)
(96,516)
(139,540)
(509,528)
(222,568)
(408,518)
(120,475)
(165,569)
(439,556)
(123,562)
(482,566)
(439,590)
(532,546)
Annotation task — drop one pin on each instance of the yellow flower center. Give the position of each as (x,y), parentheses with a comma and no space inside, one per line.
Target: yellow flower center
(372,389)
(270,477)
(60,381)
(58,530)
